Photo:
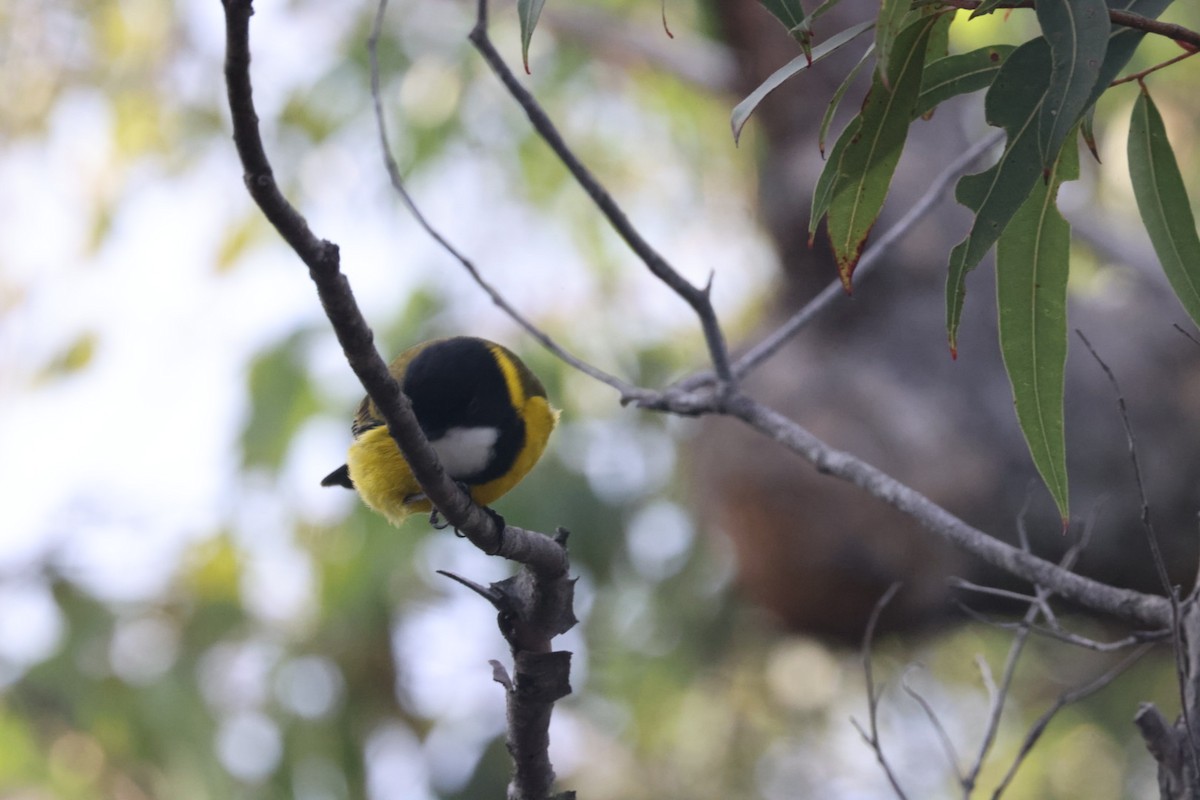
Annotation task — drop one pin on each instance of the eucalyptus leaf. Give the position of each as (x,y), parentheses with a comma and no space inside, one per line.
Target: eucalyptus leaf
(960,74)
(1012,103)
(1077,32)
(887,27)
(871,152)
(528,12)
(743,110)
(1032,264)
(836,100)
(789,12)
(1163,203)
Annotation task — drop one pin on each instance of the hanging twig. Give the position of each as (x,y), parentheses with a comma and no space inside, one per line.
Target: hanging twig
(397,180)
(947,743)
(699,298)
(872,738)
(1065,699)
(1160,564)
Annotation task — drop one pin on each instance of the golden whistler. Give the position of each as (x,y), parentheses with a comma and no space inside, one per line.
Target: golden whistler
(485,414)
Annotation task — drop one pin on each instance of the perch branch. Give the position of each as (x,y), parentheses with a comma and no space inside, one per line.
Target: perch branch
(355,336)
(535,603)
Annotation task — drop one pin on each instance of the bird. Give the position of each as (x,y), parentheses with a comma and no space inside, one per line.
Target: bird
(485,414)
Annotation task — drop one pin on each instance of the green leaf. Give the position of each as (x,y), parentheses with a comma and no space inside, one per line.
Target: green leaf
(1012,103)
(887,29)
(1032,259)
(743,110)
(872,148)
(823,192)
(1087,131)
(805,27)
(939,37)
(836,100)
(961,74)
(528,12)
(789,12)
(1077,31)
(1164,204)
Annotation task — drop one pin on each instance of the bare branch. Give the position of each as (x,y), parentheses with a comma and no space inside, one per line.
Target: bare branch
(1160,565)
(931,715)
(1186,333)
(353,333)
(1134,607)
(872,738)
(998,696)
(696,297)
(397,180)
(1139,76)
(1133,639)
(1064,700)
(992,591)
(536,603)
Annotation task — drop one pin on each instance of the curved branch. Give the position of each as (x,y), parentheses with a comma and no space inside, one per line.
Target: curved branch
(1135,607)
(699,298)
(322,258)
(393,170)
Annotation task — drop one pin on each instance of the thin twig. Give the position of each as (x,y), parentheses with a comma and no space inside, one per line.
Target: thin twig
(699,298)
(1138,76)
(998,696)
(1186,333)
(1160,564)
(938,727)
(1066,699)
(993,591)
(1067,637)
(872,738)
(834,293)
(1038,605)
(393,170)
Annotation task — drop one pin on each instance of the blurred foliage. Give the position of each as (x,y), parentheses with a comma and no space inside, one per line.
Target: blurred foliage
(217,688)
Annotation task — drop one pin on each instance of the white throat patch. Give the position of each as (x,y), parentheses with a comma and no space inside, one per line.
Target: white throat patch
(466,451)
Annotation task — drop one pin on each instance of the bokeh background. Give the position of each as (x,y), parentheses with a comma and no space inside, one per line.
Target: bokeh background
(186,613)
